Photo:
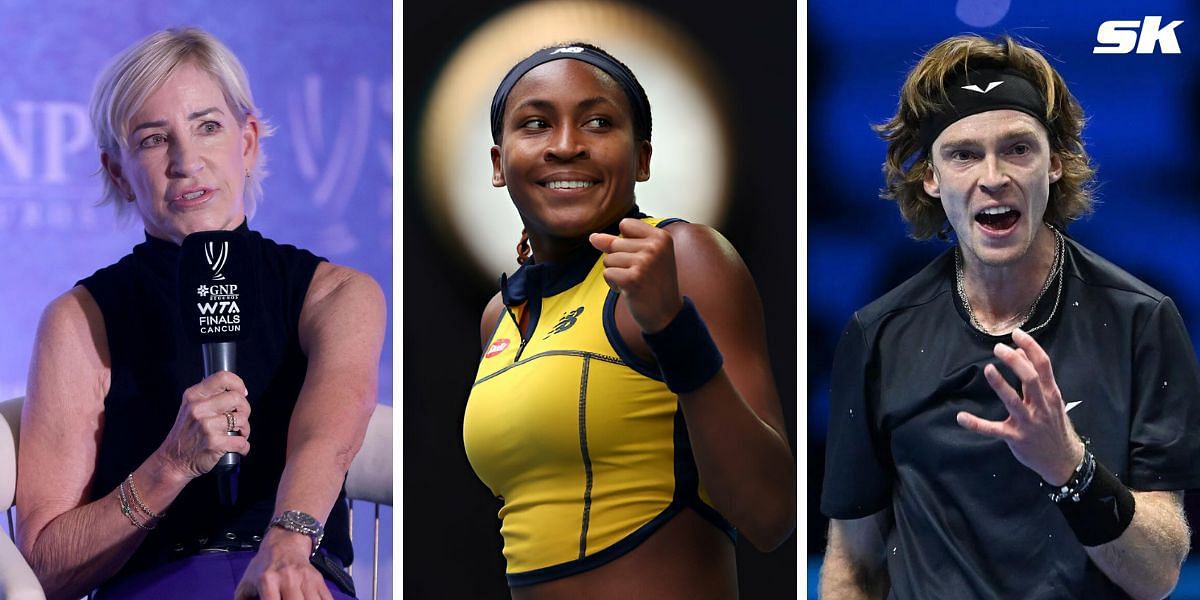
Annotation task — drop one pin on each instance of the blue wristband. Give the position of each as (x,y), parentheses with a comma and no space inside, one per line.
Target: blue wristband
(687,356)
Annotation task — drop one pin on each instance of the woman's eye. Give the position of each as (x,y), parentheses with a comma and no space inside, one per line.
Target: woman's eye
(1021,149)
(598,122)
(153,140)
(210,127)
(534,124)
(960,155)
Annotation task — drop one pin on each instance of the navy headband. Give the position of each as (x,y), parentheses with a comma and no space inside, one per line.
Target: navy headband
(590,55)
(979,91)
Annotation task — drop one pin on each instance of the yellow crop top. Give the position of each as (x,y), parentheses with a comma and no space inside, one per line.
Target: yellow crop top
(582,441)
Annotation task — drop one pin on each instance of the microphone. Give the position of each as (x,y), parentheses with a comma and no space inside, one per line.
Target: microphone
(217,302)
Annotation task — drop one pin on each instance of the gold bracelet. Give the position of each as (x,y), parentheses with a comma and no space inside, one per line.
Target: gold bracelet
(137,500)
(127,511)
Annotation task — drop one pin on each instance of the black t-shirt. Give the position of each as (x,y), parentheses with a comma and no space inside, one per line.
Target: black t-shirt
(971,521)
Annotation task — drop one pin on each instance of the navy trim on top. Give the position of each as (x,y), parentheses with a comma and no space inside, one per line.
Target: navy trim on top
(492,335)
(646,368)
(602,557)
(687,480)
(624,352)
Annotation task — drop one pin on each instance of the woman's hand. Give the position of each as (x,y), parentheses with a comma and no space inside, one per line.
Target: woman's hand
(281,570)
(198,438)
(641,267)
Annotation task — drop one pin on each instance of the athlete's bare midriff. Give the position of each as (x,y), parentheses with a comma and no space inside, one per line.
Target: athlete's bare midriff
(687,559)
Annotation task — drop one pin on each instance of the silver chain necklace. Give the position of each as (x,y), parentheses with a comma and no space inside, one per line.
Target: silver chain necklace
(1055,269)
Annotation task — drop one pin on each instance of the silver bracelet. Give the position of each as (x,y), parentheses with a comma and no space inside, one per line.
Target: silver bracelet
(128,512)
(1080,479)
(137,500)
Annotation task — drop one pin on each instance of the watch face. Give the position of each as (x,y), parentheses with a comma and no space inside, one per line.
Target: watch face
(302,519)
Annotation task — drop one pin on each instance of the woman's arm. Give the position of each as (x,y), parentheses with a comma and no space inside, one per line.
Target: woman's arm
(735,421)
(74,545)
(342,327)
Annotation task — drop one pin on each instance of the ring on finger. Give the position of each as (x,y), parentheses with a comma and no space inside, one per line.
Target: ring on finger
(230,422)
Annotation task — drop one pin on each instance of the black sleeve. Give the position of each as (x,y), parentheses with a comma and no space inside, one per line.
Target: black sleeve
(858,480)
(1164,435)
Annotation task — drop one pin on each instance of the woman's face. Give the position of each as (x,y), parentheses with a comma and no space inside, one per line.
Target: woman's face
(567,152)
(186,158)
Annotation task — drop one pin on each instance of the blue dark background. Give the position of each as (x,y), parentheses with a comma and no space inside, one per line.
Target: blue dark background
(1141,132)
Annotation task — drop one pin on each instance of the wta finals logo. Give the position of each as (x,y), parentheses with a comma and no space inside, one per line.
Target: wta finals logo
(216,259)
(219,311)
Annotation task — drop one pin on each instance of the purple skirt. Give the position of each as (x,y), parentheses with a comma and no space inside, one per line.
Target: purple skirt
(199,577)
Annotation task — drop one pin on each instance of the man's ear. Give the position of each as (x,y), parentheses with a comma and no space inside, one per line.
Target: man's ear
(497,168)
(933,186)
(1056,168)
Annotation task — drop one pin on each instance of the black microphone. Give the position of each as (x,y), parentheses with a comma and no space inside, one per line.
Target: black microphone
(217,302)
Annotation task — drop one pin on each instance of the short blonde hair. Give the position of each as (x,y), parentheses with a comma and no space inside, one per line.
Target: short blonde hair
(924,93)
(134,74)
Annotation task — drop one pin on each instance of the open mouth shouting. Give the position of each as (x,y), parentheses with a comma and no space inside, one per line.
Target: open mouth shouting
(998,219)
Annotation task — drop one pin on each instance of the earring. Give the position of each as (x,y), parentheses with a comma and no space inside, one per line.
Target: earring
(247,173)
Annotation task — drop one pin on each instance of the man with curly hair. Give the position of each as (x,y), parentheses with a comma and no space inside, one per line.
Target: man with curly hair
(1012,421)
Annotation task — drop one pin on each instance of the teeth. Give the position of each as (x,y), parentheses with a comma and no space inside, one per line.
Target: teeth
(193,195)
(995,210)
(568,185)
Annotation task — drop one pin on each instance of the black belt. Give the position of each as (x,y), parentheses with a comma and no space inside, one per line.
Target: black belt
(330,566)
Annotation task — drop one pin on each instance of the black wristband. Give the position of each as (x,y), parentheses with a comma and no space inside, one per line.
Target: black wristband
(1103,510)
(687,356)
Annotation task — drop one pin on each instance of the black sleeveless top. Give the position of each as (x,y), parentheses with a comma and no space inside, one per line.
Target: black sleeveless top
(153,362)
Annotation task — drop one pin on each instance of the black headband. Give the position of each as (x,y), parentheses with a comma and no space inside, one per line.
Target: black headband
(981,90)
(619,72)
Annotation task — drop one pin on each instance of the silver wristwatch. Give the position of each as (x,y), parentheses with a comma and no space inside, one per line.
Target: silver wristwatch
(299,522)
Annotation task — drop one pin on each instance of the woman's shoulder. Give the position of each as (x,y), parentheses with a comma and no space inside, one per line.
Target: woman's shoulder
(72,324)
(332,282)
(702,254)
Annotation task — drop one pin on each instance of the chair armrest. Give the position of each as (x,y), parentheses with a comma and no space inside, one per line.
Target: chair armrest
(370,475)
(17,581)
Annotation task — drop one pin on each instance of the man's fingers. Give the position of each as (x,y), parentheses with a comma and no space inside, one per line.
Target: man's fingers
(996,429)
(1036,355)
(1011,399)
(1019,363)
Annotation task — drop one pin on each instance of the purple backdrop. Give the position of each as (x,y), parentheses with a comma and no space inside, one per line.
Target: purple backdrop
(321,71)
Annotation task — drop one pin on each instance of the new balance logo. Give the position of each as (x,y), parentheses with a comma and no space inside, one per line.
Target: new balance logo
(990,86)
(568,50)
(567,321)
(1121,37)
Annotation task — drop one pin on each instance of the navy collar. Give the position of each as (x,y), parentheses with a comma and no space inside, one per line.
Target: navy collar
(547,279)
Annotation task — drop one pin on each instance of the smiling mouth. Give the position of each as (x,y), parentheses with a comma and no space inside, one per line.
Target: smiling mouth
(568,185)
(998,218)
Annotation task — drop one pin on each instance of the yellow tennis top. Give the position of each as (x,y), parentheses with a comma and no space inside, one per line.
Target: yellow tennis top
(582,441)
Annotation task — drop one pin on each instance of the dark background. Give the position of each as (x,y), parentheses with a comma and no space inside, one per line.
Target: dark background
(452,543)
(1142,129)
